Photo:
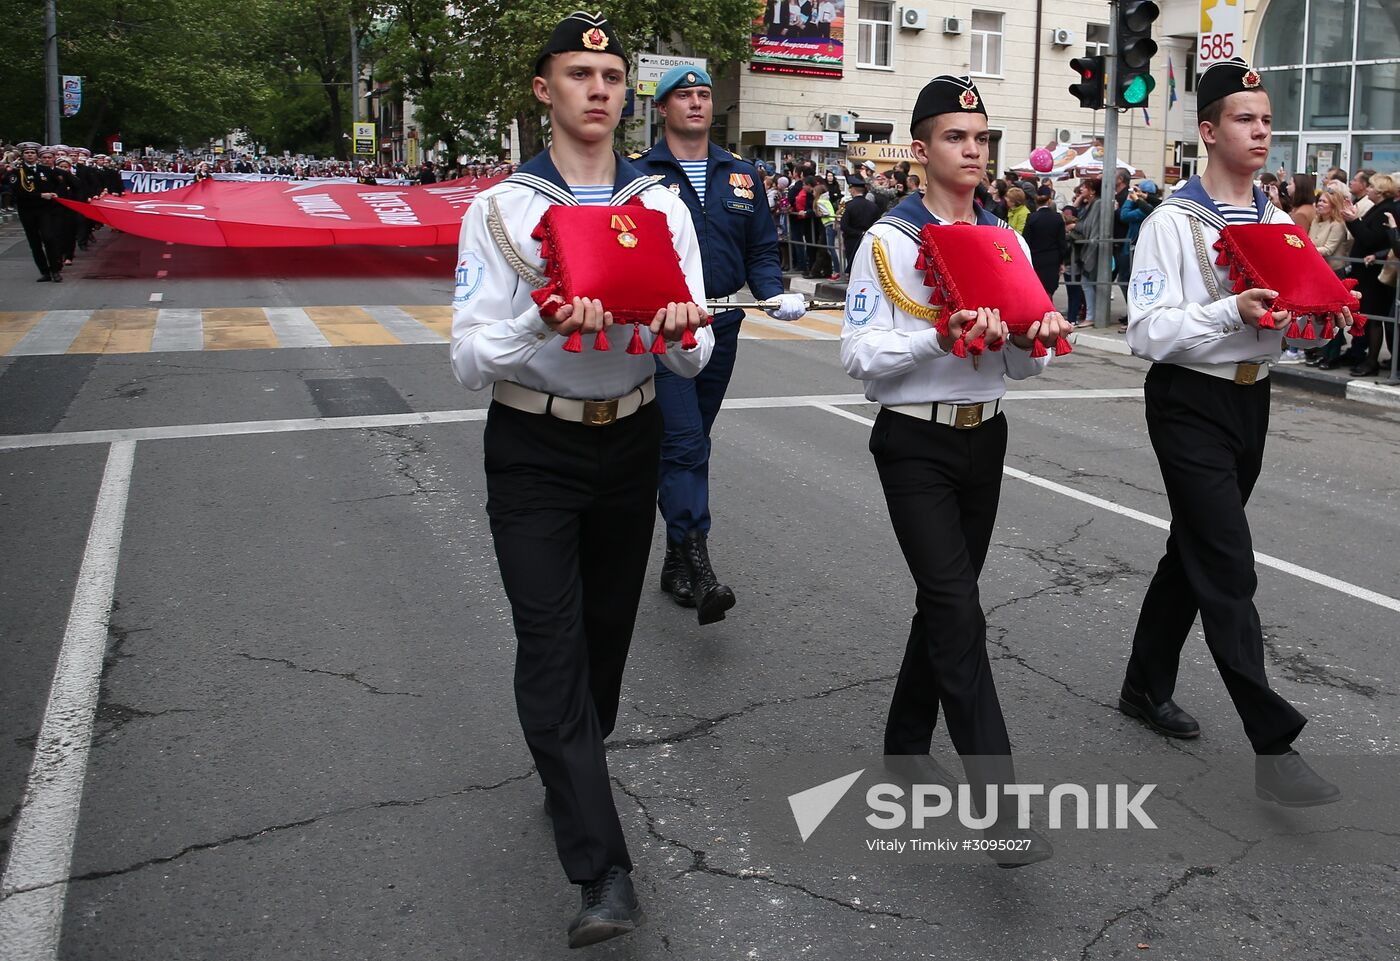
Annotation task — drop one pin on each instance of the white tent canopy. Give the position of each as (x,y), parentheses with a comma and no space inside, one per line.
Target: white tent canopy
(1075,160)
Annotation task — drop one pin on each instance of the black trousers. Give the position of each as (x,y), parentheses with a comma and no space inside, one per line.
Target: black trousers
(942,487)
(571,511)
(40,229)
(1208,434)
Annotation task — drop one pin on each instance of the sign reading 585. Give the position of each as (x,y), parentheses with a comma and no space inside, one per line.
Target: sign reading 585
(1222,24)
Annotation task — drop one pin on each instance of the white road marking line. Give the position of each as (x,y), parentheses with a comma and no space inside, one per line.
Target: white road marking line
(1151,520)
(404,326)
(157,297)
(53,334)
(294,328)
(164,256)
(162,274)
(804,332)
(41,851)
(178,328)
(183,431)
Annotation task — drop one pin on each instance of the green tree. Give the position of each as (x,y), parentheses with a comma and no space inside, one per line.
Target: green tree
(469,74)
(155,71)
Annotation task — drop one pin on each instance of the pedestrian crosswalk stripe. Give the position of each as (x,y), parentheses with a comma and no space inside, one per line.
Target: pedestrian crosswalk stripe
(156,329)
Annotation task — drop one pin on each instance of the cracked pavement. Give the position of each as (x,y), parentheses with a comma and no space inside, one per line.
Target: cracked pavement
(306,745)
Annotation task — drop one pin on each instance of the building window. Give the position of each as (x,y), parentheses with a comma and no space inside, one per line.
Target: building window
(876,33)
(1190,65)
(986,44)
(1096,40)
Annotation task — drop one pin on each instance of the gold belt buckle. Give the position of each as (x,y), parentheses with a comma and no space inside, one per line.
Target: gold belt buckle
(1246,373)
(599,413)
(967,415)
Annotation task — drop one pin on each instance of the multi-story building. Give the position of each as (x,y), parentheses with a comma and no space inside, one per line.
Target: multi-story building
(1333,67)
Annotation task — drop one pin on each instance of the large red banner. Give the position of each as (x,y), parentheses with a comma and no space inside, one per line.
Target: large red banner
(221,214)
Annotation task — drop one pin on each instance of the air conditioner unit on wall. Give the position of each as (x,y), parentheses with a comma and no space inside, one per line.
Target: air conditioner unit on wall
(952,25)
(843,122)
(1060,37)
(1063,135)
(913,19)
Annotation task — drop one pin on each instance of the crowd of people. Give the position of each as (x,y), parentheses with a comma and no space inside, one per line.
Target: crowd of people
(33,178)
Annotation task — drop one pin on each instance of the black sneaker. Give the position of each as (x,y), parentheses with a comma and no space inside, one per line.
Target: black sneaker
(1286,780)
(609,909)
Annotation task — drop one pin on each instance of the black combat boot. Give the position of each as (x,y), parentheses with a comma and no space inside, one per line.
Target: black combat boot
(711,598)
(675,576)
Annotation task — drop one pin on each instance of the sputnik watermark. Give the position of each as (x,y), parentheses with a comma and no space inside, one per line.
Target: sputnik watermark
(892,806)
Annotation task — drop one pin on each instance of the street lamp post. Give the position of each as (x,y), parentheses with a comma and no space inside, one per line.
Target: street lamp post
(52,90)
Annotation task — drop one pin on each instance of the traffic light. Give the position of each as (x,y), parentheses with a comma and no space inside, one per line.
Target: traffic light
(1090,87)
(1134,47)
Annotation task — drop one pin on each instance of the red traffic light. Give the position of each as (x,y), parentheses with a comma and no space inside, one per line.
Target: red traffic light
(1090,89)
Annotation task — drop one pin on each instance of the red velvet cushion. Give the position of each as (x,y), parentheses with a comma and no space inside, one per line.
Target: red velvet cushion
(1281,257)
(970,266)
(622,256)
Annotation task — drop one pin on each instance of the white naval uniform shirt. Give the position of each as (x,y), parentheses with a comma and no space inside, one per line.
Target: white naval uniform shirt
(1171,317)
(897,355)
(497,332)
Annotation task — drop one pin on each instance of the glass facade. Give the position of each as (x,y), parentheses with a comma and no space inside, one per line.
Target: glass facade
(1332,68)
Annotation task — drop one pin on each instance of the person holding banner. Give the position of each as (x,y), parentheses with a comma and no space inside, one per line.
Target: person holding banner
(35,187)
(572,445)
(739,245)
(1207,408)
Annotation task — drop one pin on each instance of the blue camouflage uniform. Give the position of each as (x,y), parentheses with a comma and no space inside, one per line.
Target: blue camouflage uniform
(738,246)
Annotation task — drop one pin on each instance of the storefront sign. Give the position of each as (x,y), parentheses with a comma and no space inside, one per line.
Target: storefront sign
(801,138)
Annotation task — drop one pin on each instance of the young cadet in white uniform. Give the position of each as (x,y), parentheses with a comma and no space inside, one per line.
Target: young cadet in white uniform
(1207,408)
(572,447)
(939,440)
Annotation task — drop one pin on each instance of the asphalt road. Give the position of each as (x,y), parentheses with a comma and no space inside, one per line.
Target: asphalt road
(304,741)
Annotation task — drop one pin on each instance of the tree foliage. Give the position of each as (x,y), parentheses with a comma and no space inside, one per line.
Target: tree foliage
(172,72)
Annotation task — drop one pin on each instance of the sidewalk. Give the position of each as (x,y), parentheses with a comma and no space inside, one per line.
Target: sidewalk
(1379,391)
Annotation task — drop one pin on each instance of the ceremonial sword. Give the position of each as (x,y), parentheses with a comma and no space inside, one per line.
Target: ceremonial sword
(718,305)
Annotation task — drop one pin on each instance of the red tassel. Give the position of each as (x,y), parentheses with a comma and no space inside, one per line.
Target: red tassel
(658,344)
(635,345)
(941,324)
(1219,244)
(921,262)
(959,348)
(977,345)
(1308,332)
(1038,348)
(538,232)
(997,346)
(1223,259)
(1358,324)
(547,300)
(1329,329)
(1350,283)
(1063,347)
(688,341)
(600,341)
(1292,333)
(574,344)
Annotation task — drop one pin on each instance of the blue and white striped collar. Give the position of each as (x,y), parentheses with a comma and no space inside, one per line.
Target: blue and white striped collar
(910,216)
(1192,198)
(540,174)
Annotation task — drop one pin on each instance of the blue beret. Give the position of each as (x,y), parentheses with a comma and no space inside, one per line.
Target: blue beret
(678,78)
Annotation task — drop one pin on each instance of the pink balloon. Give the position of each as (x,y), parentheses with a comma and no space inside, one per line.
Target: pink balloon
(1042,160)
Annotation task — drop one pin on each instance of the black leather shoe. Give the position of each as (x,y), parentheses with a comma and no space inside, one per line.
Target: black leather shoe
(56,277)
(44,279)
(1365,370)
(909,769)
(609,909)
(1024,846)
(1165,718)
(712,598)
(675,576)
(1332,364)
(1286,780)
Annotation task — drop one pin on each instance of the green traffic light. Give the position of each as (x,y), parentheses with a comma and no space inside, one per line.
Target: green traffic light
(1135,93)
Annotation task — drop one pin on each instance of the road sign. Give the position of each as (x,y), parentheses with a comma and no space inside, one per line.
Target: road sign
(363,139)
(653,66)
(1222,32)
